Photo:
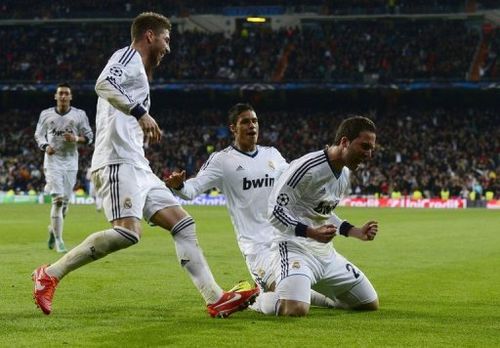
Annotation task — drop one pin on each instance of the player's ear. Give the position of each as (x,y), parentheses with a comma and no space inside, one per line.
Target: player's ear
(232,128)
(149,34)
(344,142)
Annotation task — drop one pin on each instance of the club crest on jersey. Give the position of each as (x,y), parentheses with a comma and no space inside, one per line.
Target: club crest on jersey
(127,203)
(282,199)
(266,181)
(271,165)
(295,264)
(325,208)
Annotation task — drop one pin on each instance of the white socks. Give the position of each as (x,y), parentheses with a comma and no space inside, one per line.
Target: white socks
(94,247)
(320,300)
(192,260)
(65,208)
(267,302)
(56,219)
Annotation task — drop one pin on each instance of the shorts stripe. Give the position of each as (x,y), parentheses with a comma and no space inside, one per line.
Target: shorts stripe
(283,259)
(115,191)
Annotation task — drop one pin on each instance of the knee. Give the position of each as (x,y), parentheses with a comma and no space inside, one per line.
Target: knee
(58,201)
(293,308)
(370,306)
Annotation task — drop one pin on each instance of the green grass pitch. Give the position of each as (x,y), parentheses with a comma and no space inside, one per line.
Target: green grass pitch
(437,273)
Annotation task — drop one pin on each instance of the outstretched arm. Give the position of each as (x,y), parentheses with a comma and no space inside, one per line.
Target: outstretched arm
(367,232)
(209,176)
(176,180)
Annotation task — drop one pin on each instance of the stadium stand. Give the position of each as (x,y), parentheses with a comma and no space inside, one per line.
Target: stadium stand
(426,149)
(426,142)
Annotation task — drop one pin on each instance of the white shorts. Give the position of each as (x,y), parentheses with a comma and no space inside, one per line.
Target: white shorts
(262,266)
(60,182)
(333,276)
(128,191)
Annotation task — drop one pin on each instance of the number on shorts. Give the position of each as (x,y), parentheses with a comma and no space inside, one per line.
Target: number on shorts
(351,268)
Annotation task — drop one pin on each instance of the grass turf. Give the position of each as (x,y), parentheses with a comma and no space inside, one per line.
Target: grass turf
(437,273)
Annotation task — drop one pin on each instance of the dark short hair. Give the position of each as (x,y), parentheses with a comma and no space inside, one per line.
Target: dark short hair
(63,84)
(351,128)
(149,21)
(236,110)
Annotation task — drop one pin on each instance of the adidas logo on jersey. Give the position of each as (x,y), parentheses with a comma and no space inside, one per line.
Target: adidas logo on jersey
(256,183)
(239,168)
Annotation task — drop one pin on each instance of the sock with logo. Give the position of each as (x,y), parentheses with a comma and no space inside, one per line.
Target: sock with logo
(96,246)
(192,260)
(56,217)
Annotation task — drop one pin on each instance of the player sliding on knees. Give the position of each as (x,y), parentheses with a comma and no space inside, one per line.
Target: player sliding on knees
(246,173)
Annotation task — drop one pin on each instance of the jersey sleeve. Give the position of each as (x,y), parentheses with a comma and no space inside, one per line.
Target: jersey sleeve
(110,84)
(84,128)
(282,164)
(41,133)
(283,218)
(335,220)
(209,176)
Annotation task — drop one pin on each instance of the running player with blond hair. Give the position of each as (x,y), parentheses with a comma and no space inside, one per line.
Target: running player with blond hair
(125,181)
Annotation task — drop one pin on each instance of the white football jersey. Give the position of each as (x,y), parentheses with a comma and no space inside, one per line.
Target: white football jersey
(246,180)
(50,130)
(123,90)
(306,194)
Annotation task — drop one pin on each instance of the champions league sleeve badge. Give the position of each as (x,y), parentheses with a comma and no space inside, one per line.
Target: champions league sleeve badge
(282,199)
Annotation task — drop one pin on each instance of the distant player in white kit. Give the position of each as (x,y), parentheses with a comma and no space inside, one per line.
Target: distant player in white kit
(59,131)
(301,207)
(124,179)
(246,173)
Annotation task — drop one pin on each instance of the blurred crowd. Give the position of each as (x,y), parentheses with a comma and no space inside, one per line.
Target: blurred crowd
(457,150)
(351,51)
(44,9)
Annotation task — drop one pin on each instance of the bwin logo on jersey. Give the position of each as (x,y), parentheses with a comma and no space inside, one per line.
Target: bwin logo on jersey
(59,133)
(256,183)
(325,208)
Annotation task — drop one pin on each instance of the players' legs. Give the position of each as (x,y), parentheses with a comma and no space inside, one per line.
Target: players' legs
(361,297)
(95,247)
(297,273)
(65,207)
(294,293)
(162,209)
(190,256)
(56,216)
(347,285)
(262,266)
(123,208)
(56,188)
(69,184)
